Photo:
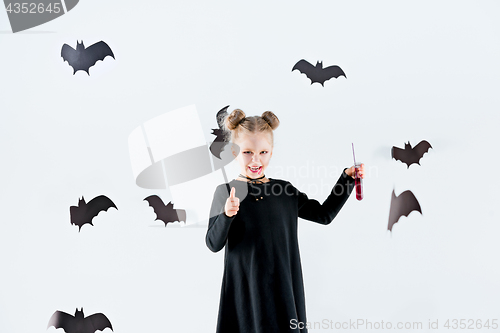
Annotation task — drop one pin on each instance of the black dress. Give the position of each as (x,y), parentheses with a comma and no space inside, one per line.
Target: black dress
(262,287)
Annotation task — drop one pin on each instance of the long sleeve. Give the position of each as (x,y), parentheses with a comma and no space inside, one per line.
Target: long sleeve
(312,210)
(219,222)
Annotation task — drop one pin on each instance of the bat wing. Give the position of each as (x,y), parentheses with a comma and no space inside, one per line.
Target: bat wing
(62,320)
(305,67)
(402,155)
(174,215)
(420,149)
(98,204)
(397,153)
(69,54)
(333,71)
(181,215)
(94,52)
(221,116)
(157,204)
(219,143)
(221,134)
(402,205)
(98,321)
(72,56)
(99,51)
(169,214)
(78,216)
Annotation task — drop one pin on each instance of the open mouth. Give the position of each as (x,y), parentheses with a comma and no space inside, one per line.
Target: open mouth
(255,170)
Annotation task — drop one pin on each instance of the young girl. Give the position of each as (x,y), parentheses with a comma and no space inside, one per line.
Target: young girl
(262,287)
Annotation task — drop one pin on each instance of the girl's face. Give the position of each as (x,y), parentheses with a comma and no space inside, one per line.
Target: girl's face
(255,151)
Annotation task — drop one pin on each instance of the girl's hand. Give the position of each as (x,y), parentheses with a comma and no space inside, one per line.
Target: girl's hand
(232,203)
(361,171)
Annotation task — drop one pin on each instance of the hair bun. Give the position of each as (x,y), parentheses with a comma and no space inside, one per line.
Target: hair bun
(234,119)
(271,119)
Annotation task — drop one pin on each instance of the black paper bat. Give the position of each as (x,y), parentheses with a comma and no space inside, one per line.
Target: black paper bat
(318,73)
(221,139)
(85,212)
(78,323)
(165,213)
(83,58)
(410,155)
(402,205)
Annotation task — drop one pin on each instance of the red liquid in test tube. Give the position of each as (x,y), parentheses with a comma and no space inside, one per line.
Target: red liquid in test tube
(358,184)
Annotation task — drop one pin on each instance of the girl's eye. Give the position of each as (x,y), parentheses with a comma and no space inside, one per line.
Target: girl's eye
(264,151)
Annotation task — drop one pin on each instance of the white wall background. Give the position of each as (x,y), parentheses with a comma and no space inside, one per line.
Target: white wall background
(415,70)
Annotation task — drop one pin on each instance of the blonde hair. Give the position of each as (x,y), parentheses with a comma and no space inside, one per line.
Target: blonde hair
(237,124)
